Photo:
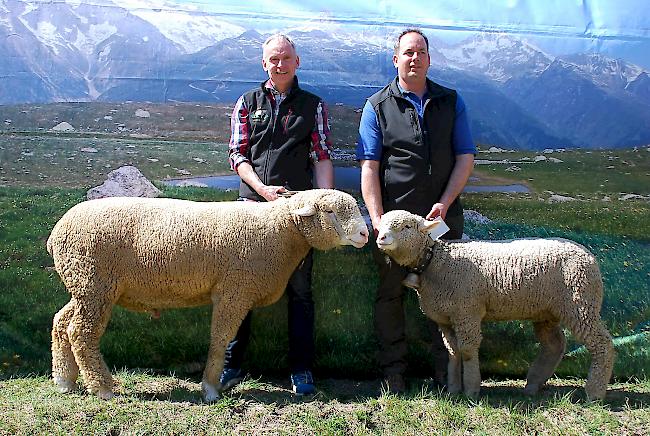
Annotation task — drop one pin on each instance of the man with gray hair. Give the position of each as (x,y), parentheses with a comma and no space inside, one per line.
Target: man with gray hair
(280,142)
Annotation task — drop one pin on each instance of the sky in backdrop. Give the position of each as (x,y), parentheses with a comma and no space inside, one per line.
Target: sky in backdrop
(617,28)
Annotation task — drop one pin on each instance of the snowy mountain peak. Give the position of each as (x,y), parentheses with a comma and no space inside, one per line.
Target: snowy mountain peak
(498,55)
(607,72)
(191,30)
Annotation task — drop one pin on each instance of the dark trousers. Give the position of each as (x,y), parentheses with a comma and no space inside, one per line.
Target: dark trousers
(390,317)
(301,323)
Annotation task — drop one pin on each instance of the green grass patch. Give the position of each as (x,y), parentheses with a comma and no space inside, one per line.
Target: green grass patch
(148,404)
(83,161)
(590,173)
(627,220)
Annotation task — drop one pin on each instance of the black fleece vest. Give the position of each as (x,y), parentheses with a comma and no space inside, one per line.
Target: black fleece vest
(280,146)
(417,160)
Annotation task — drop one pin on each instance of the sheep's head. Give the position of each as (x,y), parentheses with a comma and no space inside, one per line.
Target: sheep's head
(404,236)
(329,218)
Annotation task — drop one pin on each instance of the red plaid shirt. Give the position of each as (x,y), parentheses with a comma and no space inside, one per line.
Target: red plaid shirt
(239,148)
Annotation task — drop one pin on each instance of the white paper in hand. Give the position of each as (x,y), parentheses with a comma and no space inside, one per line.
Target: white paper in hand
(439,230)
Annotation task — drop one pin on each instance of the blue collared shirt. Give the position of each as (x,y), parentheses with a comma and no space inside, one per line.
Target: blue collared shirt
(369,145)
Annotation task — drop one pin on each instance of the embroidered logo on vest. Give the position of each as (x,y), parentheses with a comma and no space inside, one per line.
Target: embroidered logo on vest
(259,116)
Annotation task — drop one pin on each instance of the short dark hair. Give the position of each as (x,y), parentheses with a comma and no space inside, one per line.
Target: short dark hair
(404,32)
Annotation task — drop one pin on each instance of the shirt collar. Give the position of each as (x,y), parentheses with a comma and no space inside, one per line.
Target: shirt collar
(269,86)
(411,94)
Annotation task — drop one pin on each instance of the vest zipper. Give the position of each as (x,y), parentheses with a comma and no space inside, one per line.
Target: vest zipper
(426,146)
(268,152)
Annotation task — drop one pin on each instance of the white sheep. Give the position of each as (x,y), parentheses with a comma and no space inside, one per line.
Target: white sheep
(151,254)
(547,281)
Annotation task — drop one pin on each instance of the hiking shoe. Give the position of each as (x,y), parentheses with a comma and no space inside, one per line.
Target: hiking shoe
(395,384)
(302,383)
(230,377)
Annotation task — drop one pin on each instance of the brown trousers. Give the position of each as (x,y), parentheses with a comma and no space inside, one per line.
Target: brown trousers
(390,316)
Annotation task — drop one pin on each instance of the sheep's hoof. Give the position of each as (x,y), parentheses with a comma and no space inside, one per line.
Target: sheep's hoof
(210,392)
(65,386)
(531,390)
(105,394)
(454,389)
(473,395)
(595,394)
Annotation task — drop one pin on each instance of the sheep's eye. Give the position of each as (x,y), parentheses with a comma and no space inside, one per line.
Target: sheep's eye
(329,210)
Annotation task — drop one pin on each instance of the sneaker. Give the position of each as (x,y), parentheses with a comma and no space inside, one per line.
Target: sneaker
(230,377)
(302,383)
(395,384)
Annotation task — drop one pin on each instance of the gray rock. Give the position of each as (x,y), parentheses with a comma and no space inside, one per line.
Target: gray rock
(472,215)
(63,127)
(625,197)
(141,113)
(555,198)
(126,181)
(191,183)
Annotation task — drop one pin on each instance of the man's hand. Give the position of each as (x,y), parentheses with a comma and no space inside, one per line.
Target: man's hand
(248,175)
(270,192)
(438,210)
(375,223)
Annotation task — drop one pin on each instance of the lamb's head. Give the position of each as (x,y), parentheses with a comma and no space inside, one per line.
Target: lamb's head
(329,218)
(404,236)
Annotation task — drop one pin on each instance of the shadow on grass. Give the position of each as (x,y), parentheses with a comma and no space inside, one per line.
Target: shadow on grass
(277,391)
(616,399)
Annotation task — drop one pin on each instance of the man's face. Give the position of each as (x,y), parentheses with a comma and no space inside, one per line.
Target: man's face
(280,61)
(412,58)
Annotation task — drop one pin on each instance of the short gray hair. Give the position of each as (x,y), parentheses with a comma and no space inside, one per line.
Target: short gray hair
(278,36)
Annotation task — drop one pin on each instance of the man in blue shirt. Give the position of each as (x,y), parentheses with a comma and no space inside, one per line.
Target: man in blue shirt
(416,154)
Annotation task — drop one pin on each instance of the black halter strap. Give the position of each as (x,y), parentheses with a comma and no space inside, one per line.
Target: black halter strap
(424,261)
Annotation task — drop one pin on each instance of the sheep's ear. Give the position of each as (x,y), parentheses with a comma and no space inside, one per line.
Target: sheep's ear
(305,211)
(435,228)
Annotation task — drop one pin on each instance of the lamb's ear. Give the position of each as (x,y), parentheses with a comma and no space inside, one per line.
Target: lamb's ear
(305,211)
(435,228)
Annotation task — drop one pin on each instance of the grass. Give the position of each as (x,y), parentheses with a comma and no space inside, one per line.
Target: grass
(621,219)
(60,160)
(587,173)
(171,405)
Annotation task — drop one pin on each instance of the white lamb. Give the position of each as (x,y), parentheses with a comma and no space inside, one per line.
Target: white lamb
(547,281)
(151,254)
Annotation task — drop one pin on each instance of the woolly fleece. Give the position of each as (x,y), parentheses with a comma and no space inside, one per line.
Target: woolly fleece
(152,254)
(548,281)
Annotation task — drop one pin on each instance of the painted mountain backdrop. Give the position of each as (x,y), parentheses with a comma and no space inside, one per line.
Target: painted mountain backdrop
(518,96)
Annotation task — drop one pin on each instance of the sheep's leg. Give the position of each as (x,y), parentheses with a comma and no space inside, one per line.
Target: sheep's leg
(468,336)
(599,343)
(553,343)
(64,368)
(86,327)
(454,380)
(226,319)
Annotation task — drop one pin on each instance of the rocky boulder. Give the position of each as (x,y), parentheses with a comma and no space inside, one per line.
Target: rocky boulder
(126,181)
